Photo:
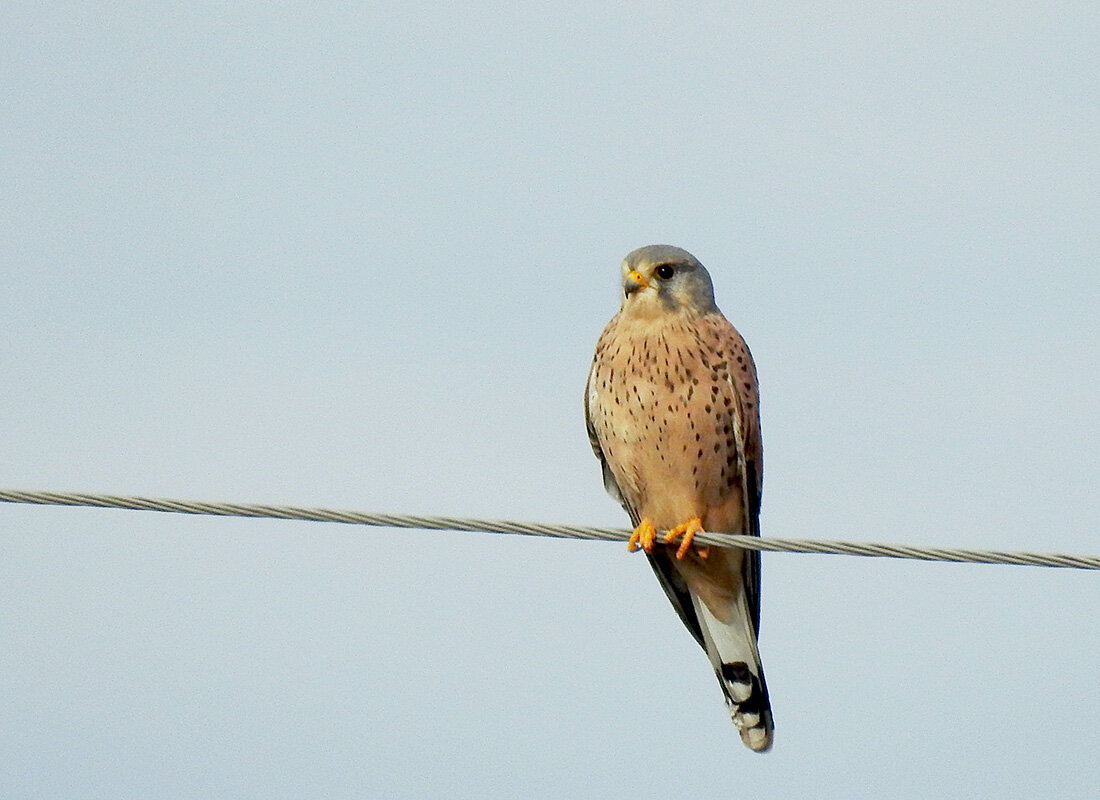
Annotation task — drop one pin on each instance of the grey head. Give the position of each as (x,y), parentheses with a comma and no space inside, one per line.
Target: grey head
(661,278)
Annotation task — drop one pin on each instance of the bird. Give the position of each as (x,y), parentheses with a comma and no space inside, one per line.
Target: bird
(673,414)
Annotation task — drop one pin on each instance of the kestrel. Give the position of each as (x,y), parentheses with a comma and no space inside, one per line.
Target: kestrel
(672,409)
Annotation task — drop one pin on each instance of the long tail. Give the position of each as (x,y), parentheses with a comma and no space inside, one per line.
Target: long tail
(731,646)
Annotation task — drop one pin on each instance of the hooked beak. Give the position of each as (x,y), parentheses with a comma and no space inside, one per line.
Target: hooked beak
(634,281)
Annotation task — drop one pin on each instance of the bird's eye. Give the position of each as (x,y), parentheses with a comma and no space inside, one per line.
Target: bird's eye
(664,272)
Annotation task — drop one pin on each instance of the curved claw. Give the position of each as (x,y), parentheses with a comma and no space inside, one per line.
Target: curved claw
(687,530)
(643,537)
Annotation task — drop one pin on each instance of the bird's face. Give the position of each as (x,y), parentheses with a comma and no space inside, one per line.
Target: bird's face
(659,279)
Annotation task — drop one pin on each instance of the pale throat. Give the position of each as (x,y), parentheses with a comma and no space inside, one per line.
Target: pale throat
(648,306)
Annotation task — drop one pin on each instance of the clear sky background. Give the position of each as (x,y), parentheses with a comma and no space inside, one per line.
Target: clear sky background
(358,256)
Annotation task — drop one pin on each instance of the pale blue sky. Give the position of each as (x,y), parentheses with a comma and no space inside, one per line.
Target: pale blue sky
(359,257)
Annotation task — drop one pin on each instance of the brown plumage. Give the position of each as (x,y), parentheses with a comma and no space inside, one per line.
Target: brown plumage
(672,409)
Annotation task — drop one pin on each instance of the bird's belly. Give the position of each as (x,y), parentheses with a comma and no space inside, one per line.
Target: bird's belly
(676,466)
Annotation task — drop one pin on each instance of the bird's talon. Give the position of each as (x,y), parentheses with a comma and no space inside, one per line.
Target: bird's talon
(643,537)
(684,545)
(687,530)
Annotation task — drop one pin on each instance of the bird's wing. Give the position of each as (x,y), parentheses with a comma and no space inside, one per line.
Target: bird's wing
(750,458)
(609,483)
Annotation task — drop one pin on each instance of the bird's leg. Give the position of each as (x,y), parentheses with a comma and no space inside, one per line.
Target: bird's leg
(643,537)
(687,530)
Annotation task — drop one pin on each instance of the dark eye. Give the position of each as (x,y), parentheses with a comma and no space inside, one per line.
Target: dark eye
(664,272)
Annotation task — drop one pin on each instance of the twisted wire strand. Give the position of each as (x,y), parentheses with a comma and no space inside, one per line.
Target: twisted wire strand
(873,549)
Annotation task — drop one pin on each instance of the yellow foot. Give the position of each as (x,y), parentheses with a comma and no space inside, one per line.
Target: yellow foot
(643,537)
(687,530)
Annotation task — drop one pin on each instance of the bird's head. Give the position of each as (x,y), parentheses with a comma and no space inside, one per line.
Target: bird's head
(659,278)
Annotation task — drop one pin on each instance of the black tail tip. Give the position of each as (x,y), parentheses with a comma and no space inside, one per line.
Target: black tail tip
(747,700)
